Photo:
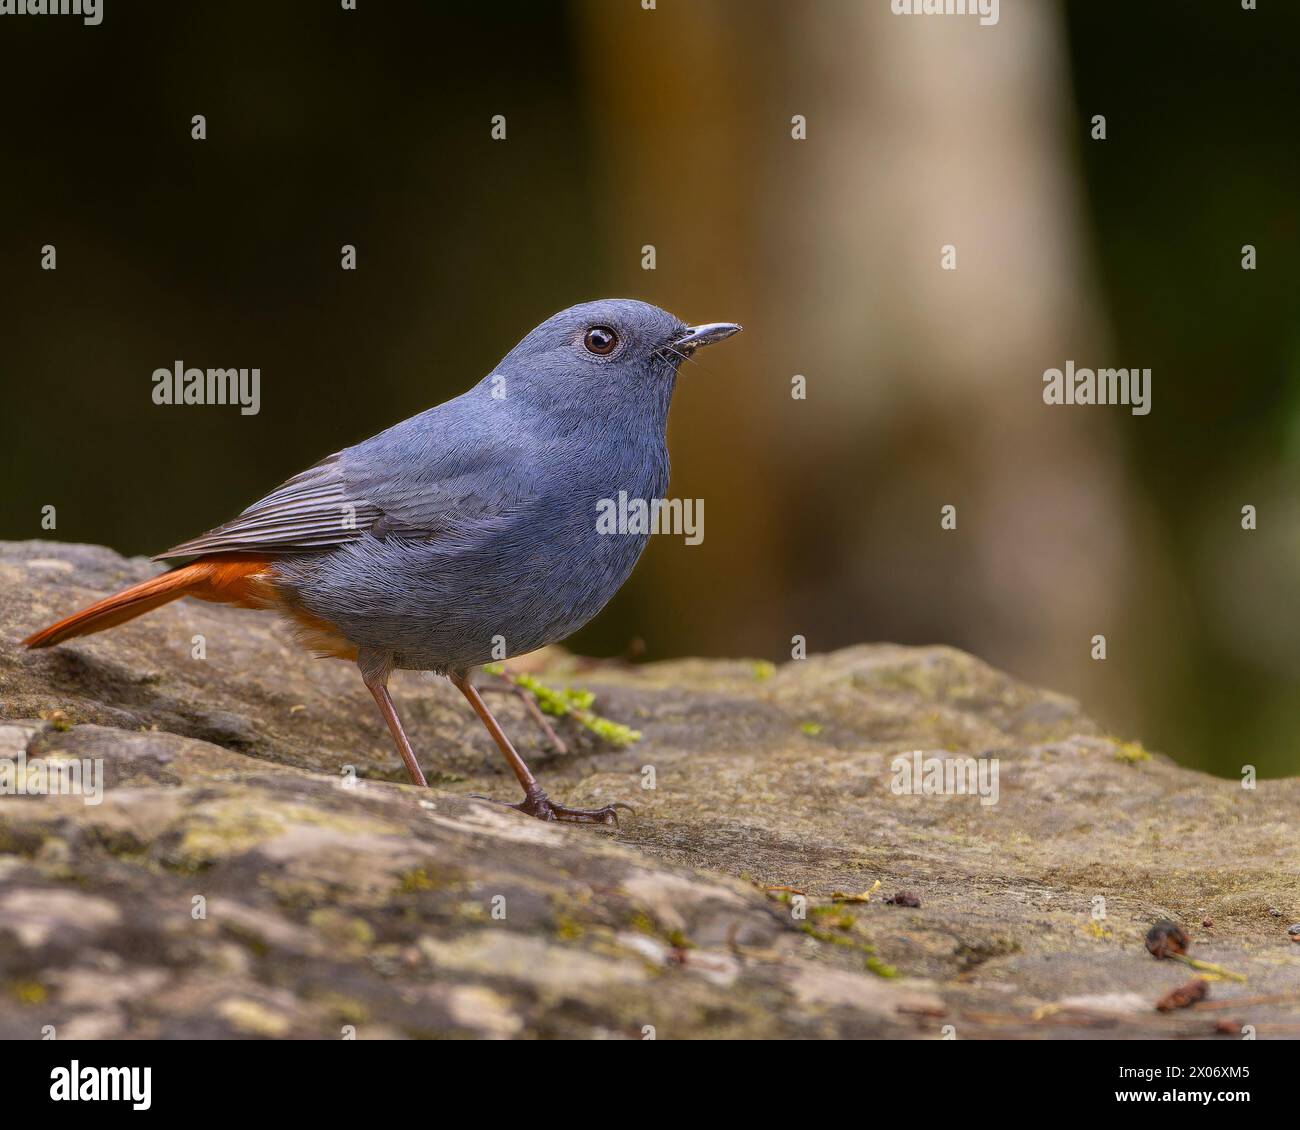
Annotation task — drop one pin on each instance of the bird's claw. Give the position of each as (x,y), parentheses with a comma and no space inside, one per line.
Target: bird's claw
(538,805)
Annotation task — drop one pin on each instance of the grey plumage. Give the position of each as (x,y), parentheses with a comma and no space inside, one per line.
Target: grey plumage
(475,522)
(469,532)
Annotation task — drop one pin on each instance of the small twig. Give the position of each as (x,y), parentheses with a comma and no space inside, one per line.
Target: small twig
(530,704)
(865,896)
(576,704)
(1205,966)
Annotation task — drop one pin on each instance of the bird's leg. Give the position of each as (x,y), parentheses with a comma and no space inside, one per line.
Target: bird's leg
(375,670)
(535,802)
(530,705)
(386,708)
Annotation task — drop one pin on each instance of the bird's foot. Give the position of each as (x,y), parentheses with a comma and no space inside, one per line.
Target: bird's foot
(537,804)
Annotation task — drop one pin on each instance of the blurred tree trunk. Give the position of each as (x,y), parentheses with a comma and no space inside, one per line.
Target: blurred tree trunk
(924,385)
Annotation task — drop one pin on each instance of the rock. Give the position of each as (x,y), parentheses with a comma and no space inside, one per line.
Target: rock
(256,868)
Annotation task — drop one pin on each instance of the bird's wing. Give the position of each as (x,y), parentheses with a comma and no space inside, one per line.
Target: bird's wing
(445,474)
(436,475)
(310,510)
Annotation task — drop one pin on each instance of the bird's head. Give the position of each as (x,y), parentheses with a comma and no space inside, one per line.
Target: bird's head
(618,346)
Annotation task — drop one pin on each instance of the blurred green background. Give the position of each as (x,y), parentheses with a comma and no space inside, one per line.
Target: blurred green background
(671,127)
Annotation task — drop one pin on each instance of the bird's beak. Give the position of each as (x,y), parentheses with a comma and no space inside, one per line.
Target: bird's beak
(707,334)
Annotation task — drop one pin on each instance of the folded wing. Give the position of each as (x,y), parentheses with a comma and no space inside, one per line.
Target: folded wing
(444,474)
(313,509)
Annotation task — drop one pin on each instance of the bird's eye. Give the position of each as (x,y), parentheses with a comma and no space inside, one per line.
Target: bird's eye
(600,340)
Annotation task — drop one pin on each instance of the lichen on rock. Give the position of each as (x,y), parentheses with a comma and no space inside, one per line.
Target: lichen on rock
(256,868)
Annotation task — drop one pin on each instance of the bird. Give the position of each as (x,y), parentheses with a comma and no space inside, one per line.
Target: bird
(464,535)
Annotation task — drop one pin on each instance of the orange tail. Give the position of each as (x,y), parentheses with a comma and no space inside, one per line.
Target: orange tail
(228,578)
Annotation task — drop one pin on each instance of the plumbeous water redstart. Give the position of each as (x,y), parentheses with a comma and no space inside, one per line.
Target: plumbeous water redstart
(464,534)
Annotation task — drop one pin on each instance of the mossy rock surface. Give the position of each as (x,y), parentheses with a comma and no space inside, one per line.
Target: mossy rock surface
(256,868)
